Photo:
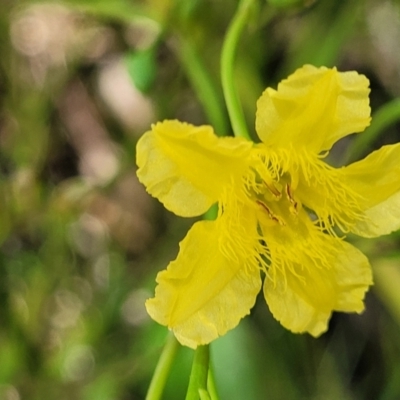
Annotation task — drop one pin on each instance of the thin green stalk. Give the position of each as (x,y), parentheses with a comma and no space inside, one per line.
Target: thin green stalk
(162,369)
(204,87)
(212,389)
(388,114)
(204,395)
(199,373)
(229,47)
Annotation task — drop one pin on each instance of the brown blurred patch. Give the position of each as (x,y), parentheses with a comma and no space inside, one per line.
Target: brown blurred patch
(129,213)
(98,154)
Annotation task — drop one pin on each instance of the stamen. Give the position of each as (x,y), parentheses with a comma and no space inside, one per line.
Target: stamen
(271,215)
(273,189)
(293,202)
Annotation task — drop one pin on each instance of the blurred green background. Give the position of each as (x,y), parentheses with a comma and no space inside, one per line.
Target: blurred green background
(81,241)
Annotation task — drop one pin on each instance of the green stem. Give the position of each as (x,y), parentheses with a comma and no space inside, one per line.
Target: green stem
(204,395)
(204,87)
(162,369)
(199,374)
(212,389)
(385,116)
(233,104)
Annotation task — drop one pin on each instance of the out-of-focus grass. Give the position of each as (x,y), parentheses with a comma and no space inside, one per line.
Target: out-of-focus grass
(81,242)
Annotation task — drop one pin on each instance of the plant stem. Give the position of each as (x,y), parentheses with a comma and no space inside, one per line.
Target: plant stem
(199,374)
(233,104)
(212,389)
(162,369)
(204,87)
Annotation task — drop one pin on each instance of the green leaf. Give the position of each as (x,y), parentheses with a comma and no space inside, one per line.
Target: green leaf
(142,68)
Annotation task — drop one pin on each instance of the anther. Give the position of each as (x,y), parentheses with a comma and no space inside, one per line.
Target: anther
(271,215)
(293,202)
(271,187)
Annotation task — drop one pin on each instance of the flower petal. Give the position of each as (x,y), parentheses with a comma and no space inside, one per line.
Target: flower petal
(186,167)
(376,179)
(313,107)
(353,277)
(303,295)
(203,294)
(382,219)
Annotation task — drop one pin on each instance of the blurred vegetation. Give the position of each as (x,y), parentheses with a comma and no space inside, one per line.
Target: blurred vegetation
(81,241)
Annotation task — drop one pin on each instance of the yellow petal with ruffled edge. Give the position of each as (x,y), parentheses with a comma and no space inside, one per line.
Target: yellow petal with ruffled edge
(313,108)
(186,167)
(377,179)
(318,186)
(203,294)
(304,302)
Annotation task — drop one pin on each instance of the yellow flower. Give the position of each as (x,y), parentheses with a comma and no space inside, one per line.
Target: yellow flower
(280,207)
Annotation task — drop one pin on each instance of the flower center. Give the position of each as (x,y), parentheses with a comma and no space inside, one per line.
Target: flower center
(284,202)
(281,182)
(272,190)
